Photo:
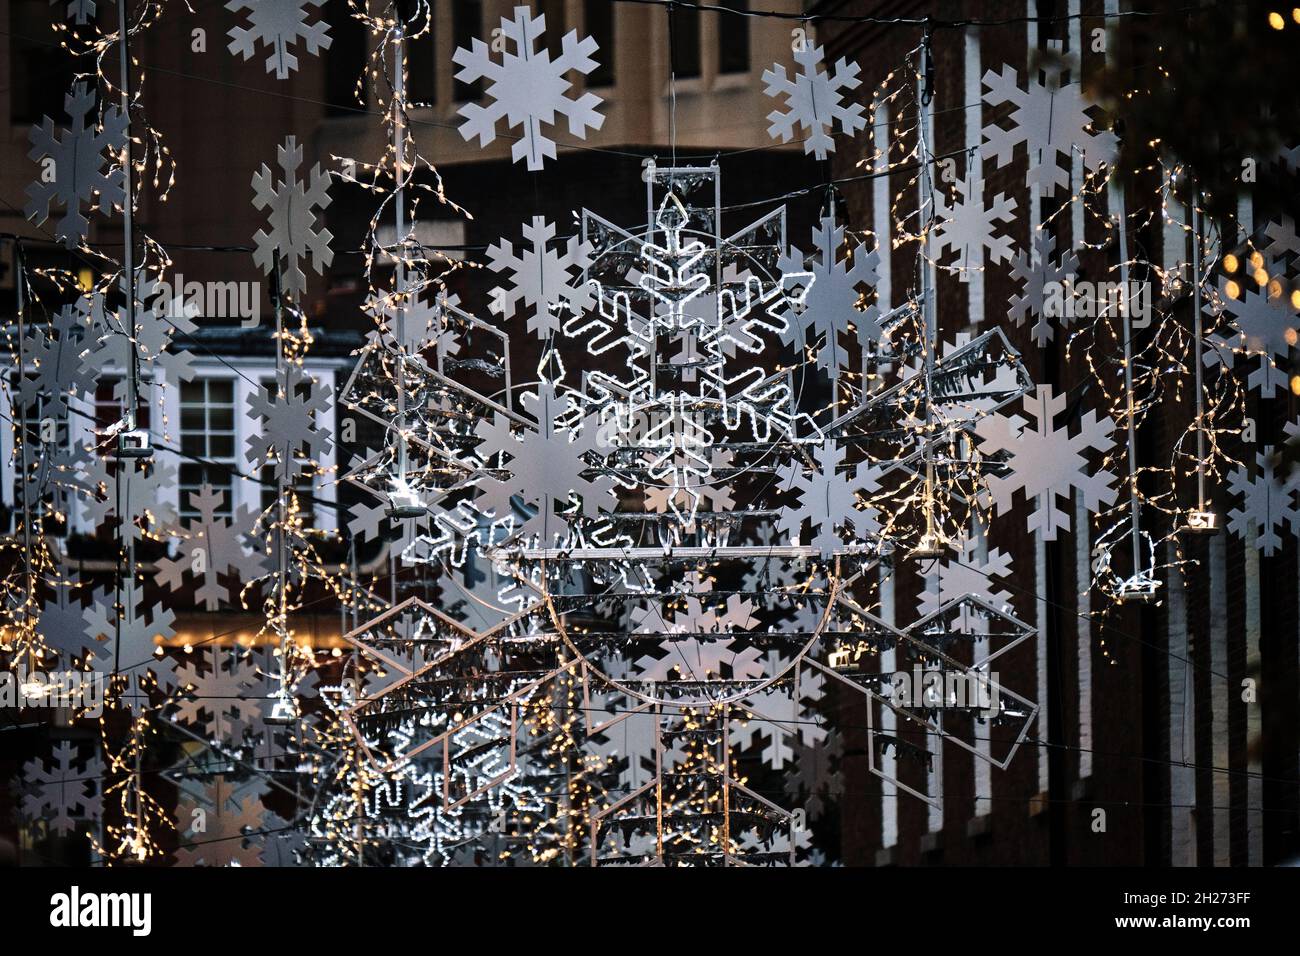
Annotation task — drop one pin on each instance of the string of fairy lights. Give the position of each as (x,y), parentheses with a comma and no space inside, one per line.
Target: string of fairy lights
(675,531)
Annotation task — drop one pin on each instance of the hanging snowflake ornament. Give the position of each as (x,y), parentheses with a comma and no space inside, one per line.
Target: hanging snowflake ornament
(1046,286)
(280,25)
(828,500)
(547,279)
(1260,326)
(830,304)
(1267,504)
(128,646)
(968,226)
(83,11)
(64,790)
(78,166)
(290,438)
(814,100)
(1051,122)
(1047,462)
(292,208)
(527,87)
(216,546)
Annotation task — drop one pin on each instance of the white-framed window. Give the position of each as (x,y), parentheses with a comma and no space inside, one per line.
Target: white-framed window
(208,432)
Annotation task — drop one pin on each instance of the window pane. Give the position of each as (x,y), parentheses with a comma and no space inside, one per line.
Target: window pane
(599,25)
(684,42)
(221,446)
(733,38)
(466,25)
(221,390)
(222,419)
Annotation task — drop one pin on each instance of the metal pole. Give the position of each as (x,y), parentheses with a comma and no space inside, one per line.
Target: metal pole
(1134,503)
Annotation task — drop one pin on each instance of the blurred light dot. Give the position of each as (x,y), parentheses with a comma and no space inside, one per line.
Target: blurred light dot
(1233,290)
(1295,14)
(1261,277)
(1295,384)
(1275,289)
(1295,299)
(1290,336)
(1256,260)
(1275,21)
(1230,263)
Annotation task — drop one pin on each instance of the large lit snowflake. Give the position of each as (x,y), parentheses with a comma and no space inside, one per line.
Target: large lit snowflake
(1267,504)
(292,212)
(814,101)
(73,165)
(528,88)
(278,24)
(1047,462)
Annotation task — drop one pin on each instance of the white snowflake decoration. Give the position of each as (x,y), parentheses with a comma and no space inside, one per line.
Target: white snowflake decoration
(278,24)
(1267,504)
(528,88)
(73,165)
(1047,462)
(292,212)
(814,101)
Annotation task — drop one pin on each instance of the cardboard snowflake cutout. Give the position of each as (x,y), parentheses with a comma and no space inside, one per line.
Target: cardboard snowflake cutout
(78,165)
(829,499)
(280,25)
(1267,505)
(547,280)
(292,208)
(128,646)
(1051,122)
(215,546)
(830,305)
(290,438)
(1046,282)
(815,101)
(968,225)
(83,11)
(528,88)
(1047,462)
(63,791)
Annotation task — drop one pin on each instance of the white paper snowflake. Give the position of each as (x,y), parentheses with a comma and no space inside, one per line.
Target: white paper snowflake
(292,209)
(543,277)
(224,551)
(278,24)
(1267,504)
(814,101)
(828,499)
(64,790)
(528,88)
(1051,122)
(1039,274)
(967,225)
(830,304)
(73,165)
(1047,462)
